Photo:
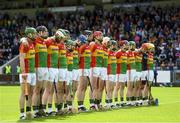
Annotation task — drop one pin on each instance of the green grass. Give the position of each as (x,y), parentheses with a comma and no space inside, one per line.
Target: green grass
(167,111)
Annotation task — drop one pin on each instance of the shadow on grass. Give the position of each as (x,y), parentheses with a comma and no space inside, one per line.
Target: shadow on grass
(66,116)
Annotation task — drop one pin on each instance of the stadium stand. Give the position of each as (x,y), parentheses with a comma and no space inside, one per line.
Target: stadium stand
(155,24)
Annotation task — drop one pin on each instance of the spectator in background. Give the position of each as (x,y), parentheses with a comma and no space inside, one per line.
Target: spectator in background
(160,26)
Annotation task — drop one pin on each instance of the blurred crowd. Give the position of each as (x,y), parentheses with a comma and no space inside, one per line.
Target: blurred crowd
(152,24)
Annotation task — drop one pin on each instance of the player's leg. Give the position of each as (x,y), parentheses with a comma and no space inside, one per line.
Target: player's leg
(100,92)
(36,92)
(122,86)
(95,85)
(116,90)
(145,89)
(75,77)
(30,86)
(60,89)
(110,88)
(60,95)
(91,98)
(22,98)
(50,99)
(70,94)
(129,88)
(82,86)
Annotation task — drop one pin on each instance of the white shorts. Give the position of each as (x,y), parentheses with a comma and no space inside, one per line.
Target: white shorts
(31,78)
(104,74)
(69,77)
(62,74)
(121,78)
(84,72)
(42,74)
(148,75)
(131,75)
(75,75)
(96,71)
(53,74)
(112,78)
(138,76)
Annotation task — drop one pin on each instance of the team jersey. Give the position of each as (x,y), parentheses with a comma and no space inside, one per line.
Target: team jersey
(111,63)
(40,53)
(105,57)
(29,60)
(85,57)
(150,61)
(97,55)
(138,59)
(75,59)
(131,60)
(121,62)
(53,52)
(62,62)
(69,61)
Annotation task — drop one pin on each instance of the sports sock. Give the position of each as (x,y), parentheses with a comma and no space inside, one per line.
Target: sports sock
(44,108)
(35,109)
(91,101)
(116,99)
(22,112)
(49,108)
(122,99)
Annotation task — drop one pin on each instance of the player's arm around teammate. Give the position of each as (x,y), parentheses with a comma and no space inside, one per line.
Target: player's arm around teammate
(27,77)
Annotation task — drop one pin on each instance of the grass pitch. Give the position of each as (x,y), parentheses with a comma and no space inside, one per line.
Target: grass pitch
(167,111)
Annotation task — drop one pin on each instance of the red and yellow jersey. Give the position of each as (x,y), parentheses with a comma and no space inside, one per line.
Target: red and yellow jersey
(105,57)
(85,57)
(138,59)
(69,61)
(150,61)
(62,62)
(121,62)
(53,52)
(130,60)
(29,60)
(111,69)
(97,55)
(40,53)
